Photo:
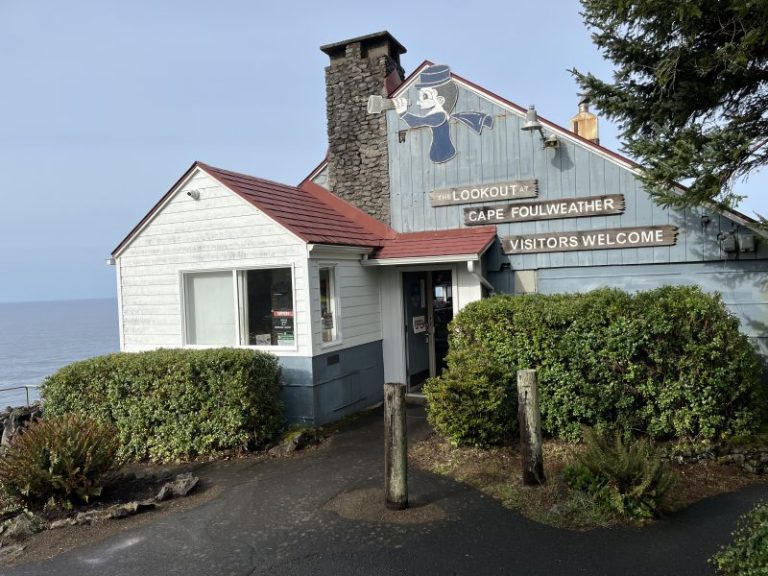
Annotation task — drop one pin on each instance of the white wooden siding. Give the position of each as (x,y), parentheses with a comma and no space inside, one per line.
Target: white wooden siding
(357,293)
(220,231)
(468,286)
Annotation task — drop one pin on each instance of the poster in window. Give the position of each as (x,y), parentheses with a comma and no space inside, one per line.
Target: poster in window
(282,327)
(419,324)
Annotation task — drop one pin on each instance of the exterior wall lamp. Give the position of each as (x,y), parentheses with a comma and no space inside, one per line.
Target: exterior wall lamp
(532,123)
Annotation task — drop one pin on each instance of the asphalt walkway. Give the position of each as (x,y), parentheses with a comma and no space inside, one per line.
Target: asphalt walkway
(269,519)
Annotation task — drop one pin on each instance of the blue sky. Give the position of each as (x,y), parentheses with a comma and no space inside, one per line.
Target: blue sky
(105,105)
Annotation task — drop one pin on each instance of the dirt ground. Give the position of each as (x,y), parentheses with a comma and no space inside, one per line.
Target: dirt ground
(497,473)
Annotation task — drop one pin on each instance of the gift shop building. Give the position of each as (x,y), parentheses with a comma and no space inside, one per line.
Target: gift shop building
(434,193)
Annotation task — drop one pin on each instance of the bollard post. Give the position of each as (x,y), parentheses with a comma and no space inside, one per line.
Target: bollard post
(529,417)
(395,447)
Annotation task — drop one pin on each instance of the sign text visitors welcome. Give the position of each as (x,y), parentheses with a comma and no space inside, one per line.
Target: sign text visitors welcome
(591,240)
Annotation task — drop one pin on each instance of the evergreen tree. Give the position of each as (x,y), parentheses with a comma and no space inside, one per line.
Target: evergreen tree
(690,90)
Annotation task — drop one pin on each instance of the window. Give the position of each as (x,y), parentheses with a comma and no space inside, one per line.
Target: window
(328,317)
(267,306)
(210,309)
(240,308)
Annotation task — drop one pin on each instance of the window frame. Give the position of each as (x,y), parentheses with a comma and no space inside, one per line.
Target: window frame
(240,306)
(335,304)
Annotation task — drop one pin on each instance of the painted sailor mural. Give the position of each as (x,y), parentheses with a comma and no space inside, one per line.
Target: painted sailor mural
(437,97)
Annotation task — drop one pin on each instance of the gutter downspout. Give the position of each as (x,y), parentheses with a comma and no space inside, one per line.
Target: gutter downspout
(483,280)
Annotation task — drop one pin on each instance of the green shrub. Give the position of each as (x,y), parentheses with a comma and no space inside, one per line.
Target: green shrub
(58,458)
(629,477)
(747,555)
(670,362)
(473,402)
(172,404)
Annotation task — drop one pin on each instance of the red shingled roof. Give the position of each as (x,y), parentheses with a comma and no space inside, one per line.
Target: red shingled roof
(455,242)
(317,216)
(310,212)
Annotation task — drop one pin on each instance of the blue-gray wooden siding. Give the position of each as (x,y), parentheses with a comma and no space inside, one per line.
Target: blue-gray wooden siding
(743,286)
(505,152)
(320,389)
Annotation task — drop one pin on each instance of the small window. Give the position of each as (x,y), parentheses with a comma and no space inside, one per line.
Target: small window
(240,308)
(328,307)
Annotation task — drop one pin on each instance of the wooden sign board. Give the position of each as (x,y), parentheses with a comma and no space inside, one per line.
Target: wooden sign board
(546,210)
(495,192)
(607,239)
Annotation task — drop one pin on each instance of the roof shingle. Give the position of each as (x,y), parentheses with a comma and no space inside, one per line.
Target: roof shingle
(454,242)
(309,211)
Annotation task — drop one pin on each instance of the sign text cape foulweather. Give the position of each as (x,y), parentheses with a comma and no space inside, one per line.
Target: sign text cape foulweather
(546,210)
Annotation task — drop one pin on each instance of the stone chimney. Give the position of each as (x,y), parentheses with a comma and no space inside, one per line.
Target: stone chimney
(358,160)
(585,123)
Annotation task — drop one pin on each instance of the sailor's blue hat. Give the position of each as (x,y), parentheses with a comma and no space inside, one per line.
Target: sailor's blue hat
(434,76)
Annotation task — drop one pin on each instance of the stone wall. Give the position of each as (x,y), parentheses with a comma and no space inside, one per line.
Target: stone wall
(357,141)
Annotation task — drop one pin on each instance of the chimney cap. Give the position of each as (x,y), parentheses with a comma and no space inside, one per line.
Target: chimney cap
(338,48)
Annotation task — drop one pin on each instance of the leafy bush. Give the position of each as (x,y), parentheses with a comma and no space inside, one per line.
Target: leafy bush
(59,458)
(747,555)
(670,362)
(171,404)
(627,477)
(473,402)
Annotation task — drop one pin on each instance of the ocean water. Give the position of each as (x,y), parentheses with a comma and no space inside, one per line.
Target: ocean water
(38,338)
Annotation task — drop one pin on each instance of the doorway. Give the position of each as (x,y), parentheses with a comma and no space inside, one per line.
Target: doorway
(428,308)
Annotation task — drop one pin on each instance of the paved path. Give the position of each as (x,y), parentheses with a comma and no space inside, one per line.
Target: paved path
(269,520)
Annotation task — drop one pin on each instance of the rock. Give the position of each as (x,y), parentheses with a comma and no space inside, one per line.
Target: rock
(83,518)
(20,527)
(13,419)
(295,441)
(177,488)
(11,552)
(128,509)
(63,523)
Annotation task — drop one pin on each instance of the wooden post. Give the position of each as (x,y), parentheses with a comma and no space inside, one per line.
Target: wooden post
(395,447)
(530,427)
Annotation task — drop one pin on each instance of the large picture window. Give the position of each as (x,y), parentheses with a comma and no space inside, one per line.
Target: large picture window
(240,308)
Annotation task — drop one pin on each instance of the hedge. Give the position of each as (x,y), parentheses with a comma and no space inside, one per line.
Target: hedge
(670,363)
(747,555)
(174,404)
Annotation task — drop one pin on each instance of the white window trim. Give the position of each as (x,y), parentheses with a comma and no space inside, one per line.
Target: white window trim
(335,306)
(238,307)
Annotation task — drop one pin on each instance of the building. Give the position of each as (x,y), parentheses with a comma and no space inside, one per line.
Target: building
(435,193)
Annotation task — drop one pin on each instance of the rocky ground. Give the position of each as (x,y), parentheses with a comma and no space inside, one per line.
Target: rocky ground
(126,495)
(129,494)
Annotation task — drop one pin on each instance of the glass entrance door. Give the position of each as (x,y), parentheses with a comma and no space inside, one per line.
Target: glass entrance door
(428,307)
